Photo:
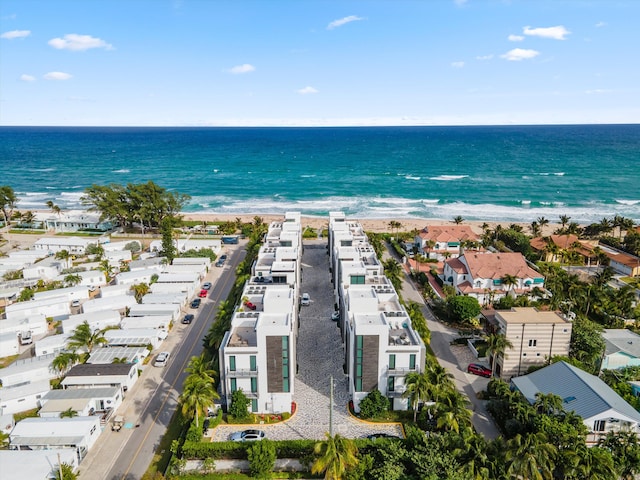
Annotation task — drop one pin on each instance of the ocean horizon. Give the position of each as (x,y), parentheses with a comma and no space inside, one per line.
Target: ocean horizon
(481,173)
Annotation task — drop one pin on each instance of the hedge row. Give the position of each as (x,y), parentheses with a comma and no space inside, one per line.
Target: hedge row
(238,450)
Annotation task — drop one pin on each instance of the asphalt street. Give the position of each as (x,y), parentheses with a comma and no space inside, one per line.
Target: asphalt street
(150,404)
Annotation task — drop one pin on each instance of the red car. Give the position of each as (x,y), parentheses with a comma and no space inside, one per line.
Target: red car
(203,293)
(249,305)
(478,369)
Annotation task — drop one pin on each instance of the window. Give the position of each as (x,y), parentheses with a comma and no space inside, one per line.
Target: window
(391,384)
(357,279)
(232,363)
(234,384)
(285,364)
(252,363)
(254,405)
(598,426)
(533,343)
(254,385)
(392,361)
(359,354)
(412,361)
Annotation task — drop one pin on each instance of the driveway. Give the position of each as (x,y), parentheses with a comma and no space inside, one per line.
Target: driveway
(320,357)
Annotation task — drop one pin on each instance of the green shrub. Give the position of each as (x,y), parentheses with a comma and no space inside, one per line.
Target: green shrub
(239,407)
(374,405)
(262,459)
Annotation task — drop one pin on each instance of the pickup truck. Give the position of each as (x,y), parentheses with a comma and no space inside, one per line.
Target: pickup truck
(25,338)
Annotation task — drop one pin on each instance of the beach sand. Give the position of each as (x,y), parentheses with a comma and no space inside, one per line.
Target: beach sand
(375,225)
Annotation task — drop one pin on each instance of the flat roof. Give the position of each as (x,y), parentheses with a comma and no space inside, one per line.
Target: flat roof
(530,315)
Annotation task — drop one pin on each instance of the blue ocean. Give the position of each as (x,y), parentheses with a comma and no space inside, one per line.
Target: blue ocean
(489,173)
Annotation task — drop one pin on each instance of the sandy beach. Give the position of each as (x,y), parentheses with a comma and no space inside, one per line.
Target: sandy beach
(376,225)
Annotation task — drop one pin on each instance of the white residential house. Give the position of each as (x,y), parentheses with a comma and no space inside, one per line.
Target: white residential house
(165,298)
(77,433)
(35,323)
(35,464)
(119,246)
(97,320)
(200,269)
(183,245)
(92,278)
(119,303)
(73,221)
(602,410)
(56,307)
(135,337)
(206,261)
(84,401)
(147,322)
(150,309)
(22,397)
(109,354)
(48,268)
(115,290)
(135,277)
(52,344)
(186,289)
(483,275)
(27,370)
(116,257)
(68,293)
(91,375)
(9,344)
(73,245)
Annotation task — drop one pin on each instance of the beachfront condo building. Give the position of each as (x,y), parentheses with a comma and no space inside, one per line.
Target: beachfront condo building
(258,353)
(381,347)
(535,336)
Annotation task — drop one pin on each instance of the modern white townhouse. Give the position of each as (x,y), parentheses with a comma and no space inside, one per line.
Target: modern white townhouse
(381,347)
(258,353)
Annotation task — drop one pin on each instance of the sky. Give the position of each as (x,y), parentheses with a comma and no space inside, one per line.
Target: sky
(318,62)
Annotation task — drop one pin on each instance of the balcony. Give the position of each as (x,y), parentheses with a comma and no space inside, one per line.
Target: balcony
(400,371)
(398,392)
(242,373)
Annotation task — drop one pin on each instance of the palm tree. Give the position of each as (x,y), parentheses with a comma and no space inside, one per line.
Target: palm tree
(543,222)
(395,225)
(27,218)
(418,389)
(535,229)
(54,208)
(510,281)
(497,344)
(63,362)
(84,338)
(530,457)
(336,455)
(197,394)
(393,272)
(473,455)
(139,291)
(564,220)
(69,413)
(63,255)
(548,403)
(72,279)
(458,220)
(201,367)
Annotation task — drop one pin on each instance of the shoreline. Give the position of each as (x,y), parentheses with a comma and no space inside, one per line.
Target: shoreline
(376,225)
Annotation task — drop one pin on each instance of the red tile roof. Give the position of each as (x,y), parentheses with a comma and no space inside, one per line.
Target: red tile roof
(448,233)
(497,265)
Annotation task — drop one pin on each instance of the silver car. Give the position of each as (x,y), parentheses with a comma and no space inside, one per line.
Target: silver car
(247,436)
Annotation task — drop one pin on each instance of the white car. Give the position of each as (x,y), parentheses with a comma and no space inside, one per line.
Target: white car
(305,300)
(161,359)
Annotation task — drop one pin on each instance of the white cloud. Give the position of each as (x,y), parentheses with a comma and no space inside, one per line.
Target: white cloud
(57,76)
(16,34)
(79,43)
(457,64)
(601,24)
(244,68)
(518,54)
(343,21)
(307,91)
(556,33)
(485,57)
(515,38)
(27,78)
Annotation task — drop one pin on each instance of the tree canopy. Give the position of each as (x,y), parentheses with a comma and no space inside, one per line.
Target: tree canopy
(146,203)
(8,200)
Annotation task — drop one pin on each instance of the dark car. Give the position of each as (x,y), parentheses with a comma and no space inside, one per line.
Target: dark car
(195,303)
(375,436)
(205,425)
(478,369)
(188,318)
(247,436)
(221,260)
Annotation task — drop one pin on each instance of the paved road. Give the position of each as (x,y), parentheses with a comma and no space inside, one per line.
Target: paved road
(152,401)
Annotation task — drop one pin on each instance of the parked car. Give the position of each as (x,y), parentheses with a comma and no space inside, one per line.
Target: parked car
(206,286)
(375,436)
(117,424)
(478,369)
(247,436)
(306,300)
(161,359)
(75,303)
(205,425)
(203,293)
(195,303)
(188,318)
(335,316)
(221,260)
(249,305)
